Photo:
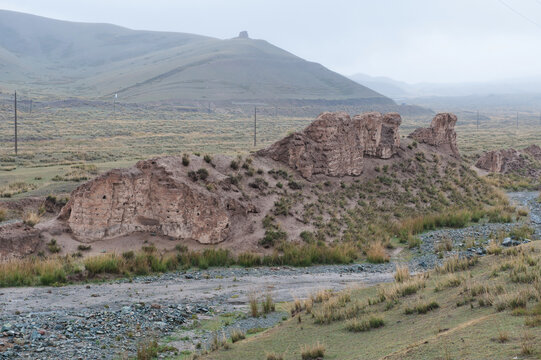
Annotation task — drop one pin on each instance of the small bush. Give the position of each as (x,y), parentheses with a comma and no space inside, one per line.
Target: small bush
(267,305)
(185,159)
(272,236)
(202,174)
(274,356)
(450,281)
(422,308)
(254,311)
(402,273)
(237,335)
(307,237)
(147,350)
(314,352)
(413,242)
(293,185)
(53,246)
(207,158)
(376,253)
(234,165)
(3,214)
(84,247)
(355,325)
(455,263)
(31,218)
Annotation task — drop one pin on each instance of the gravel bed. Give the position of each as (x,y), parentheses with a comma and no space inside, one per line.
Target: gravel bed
(113,330)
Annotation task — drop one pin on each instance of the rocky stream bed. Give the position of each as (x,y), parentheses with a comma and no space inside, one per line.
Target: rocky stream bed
(108,320)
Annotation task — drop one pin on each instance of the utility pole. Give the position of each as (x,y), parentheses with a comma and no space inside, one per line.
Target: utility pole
(114,105)
(30,106)
(255,125)
(15,122)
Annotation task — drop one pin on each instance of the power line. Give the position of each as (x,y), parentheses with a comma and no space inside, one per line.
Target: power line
(520,14)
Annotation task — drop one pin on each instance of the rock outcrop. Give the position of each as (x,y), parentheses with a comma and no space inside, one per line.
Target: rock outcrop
(441,133)
(500,161)
(534,151)
(153,196)
(336,144)
(504,161)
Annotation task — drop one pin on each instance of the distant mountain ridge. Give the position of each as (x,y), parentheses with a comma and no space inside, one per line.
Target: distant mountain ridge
(95,61)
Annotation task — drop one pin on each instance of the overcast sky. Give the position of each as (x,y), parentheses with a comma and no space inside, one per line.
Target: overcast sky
(409,40)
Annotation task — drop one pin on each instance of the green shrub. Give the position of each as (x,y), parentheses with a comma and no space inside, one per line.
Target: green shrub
(272,236)
(202,174)
(185,159)
(53,246)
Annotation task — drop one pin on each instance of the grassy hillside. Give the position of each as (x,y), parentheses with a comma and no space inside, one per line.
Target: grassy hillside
(62,58)
(477,309)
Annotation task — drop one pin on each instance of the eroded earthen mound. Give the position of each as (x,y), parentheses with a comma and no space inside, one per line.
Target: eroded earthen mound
(154,196)
(336,144)
(167,197)
(441,133)
(507,161)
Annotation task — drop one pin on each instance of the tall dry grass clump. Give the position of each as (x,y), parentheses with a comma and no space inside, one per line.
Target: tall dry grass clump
(376,253)
(252,299)
(312,352)
(31,218)
(402,273)
(398,290)
(456,263)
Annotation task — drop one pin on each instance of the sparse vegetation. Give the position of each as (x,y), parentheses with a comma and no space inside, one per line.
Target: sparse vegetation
(313,352)
(31,218)
(376,253)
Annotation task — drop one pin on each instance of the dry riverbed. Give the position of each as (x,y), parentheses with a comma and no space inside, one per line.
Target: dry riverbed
(184,309)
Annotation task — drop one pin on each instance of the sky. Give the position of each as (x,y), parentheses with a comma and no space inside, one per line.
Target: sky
(435,41)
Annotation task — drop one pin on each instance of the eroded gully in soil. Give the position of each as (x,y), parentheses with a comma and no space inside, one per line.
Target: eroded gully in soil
(107,320)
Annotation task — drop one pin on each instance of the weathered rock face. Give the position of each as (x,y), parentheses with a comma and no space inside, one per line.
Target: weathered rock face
(335,144)
(153,196)
(523,162)
(499,161)
(534,151)
(441,133)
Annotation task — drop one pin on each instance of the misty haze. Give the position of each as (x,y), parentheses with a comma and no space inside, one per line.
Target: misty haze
(270,180)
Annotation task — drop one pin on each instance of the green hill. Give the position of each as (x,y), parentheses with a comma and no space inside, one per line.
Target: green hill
(52,57)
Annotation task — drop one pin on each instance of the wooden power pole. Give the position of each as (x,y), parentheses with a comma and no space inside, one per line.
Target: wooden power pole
(15,122)
(255,125)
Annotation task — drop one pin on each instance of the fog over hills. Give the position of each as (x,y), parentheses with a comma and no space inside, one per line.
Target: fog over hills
(514,92)
(52,57)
